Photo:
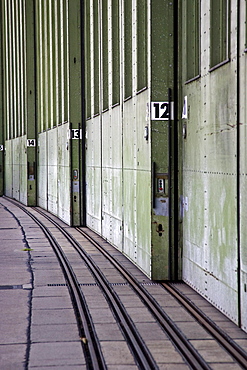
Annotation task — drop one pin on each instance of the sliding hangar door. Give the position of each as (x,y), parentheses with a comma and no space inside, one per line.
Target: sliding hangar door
(164,93)
(213,95)
(129,71)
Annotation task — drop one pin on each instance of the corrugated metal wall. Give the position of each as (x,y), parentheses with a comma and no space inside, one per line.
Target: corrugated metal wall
(19,98)
(42,104)
(52,36)
(53,108)
(118,157)
(59,106)
(15,56)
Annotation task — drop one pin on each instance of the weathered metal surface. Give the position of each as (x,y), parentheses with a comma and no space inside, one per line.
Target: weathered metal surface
(130,179)
(20,165)
(1,113)
(143,183)
(136,183)
(16,168)
(52,169)
(112,176)
(93,173)
(243,165)
(8,170)
(42,171)
(63,174)
(210,245)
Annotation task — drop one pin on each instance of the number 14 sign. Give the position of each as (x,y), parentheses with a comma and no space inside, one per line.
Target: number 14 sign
(161,111)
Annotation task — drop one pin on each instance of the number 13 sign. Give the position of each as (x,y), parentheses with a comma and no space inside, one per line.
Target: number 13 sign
(161,111)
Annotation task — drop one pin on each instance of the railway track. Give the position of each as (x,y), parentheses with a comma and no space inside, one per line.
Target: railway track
(225,341)
(140,350)
(239,355)
(186,349)
(90,344)
(142,355)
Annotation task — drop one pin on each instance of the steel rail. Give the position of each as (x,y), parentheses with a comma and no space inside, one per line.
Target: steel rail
(90,343)
(191,355)
(232,348)
(134,340)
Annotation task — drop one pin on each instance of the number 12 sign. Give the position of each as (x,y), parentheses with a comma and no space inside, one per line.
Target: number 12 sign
(161,111)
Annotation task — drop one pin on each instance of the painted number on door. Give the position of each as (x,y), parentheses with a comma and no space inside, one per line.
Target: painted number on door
(161,111)
(31,142)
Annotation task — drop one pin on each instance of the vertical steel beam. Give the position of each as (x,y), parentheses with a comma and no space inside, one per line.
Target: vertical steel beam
(238,170)
(162,79)
(83,126)
(30,103)
(175,268)
(1,110)
(75,105)
(5,84)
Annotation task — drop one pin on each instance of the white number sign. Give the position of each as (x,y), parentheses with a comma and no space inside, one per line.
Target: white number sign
(74,133)
(31,142)
(1,148)
(161,111)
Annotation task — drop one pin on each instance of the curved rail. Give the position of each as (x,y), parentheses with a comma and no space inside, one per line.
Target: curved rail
(141,352)
(232,348)
(180,341)
(90,343)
